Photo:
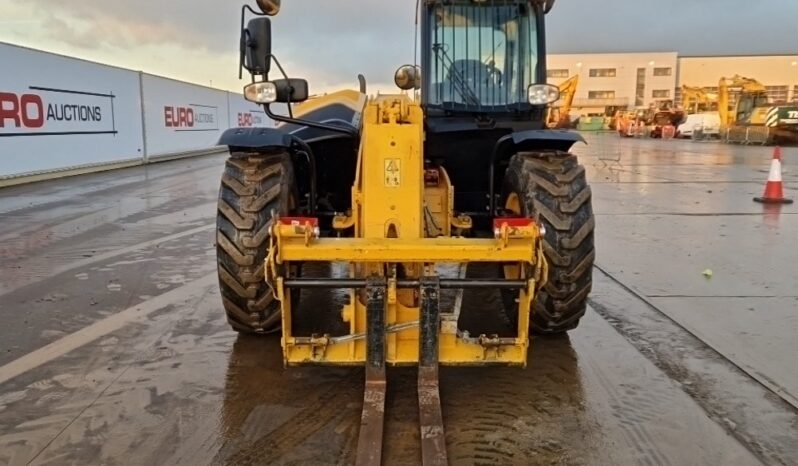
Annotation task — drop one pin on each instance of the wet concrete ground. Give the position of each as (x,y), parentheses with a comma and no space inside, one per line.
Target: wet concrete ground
(114,348)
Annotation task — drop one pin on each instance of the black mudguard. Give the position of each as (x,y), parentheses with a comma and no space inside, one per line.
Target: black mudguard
(543,139)
(255,138)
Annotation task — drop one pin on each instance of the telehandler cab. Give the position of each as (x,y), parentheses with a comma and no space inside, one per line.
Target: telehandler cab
(396,190)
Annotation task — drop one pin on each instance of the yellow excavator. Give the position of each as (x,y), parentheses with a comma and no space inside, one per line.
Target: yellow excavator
(560,116)
(397,198)
(753,118)
(749,93)
(697,100)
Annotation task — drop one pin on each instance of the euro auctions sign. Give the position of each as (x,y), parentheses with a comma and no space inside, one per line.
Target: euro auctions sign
(192,117)
(251,119)
(44,111)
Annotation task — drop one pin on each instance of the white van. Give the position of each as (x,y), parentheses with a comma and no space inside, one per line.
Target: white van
(708,123)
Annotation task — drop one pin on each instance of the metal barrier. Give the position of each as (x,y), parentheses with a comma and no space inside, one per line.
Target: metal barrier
(701,135)
(758,135)
(747,135)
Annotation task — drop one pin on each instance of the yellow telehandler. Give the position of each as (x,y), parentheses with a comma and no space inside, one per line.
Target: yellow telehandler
(395,191)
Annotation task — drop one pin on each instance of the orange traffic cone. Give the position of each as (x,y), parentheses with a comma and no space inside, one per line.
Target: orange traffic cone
(774,189)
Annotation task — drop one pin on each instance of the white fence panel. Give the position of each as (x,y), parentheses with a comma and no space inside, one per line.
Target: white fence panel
(245,114)
(58,112)
(181,117)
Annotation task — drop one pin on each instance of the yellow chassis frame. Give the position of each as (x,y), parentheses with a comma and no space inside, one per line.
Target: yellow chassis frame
(297,243)
(394,204)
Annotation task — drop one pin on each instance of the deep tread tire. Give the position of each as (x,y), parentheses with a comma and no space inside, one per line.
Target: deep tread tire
(552,188)
(254,186)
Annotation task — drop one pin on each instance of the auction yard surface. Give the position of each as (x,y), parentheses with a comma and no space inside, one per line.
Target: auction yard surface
(114,348)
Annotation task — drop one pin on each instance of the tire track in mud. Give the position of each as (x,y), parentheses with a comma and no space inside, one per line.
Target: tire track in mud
(276,415)
(494,415)
(319,414)
(634,411)
(513,416)
(477,440)
(758,418)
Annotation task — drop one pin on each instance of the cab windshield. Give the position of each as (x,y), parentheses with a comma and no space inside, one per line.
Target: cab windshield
(482,57)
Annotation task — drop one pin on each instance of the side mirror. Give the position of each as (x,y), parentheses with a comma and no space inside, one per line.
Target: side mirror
(291,90)
(256,46)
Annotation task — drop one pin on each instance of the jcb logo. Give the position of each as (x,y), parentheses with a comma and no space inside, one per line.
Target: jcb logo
(23,111)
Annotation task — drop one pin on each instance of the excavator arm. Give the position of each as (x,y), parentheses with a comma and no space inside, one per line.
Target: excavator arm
(694,97)
(560,118)
(748,88)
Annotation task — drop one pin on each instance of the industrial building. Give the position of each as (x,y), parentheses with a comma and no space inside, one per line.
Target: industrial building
(613,81)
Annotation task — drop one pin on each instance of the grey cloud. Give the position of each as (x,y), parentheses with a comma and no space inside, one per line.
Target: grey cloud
(339,39)
(331,41)
(199,24)
(690,27)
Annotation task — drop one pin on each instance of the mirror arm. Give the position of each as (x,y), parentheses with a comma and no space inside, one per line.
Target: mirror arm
(351,131)
(291,91)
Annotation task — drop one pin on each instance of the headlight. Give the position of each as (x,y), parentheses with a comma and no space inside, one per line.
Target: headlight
(543,94)
(261,93)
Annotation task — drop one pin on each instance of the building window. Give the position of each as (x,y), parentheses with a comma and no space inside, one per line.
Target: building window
(640,91)
(601,94)
(777,93)
(795,93)
(677,96)
(602,72)
(562,73)
(661,94)
(663,71)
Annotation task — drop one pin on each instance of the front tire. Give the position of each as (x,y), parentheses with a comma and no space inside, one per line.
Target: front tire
(254,187)
(552,187)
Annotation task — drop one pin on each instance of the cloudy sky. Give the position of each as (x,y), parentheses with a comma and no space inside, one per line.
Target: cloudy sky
(330,41)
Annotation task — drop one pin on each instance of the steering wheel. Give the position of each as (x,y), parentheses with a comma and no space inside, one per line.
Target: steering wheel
(476,74)
(494,74)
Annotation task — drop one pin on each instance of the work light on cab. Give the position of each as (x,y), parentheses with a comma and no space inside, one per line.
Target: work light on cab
(269,7)
(543,94)
(261,93)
